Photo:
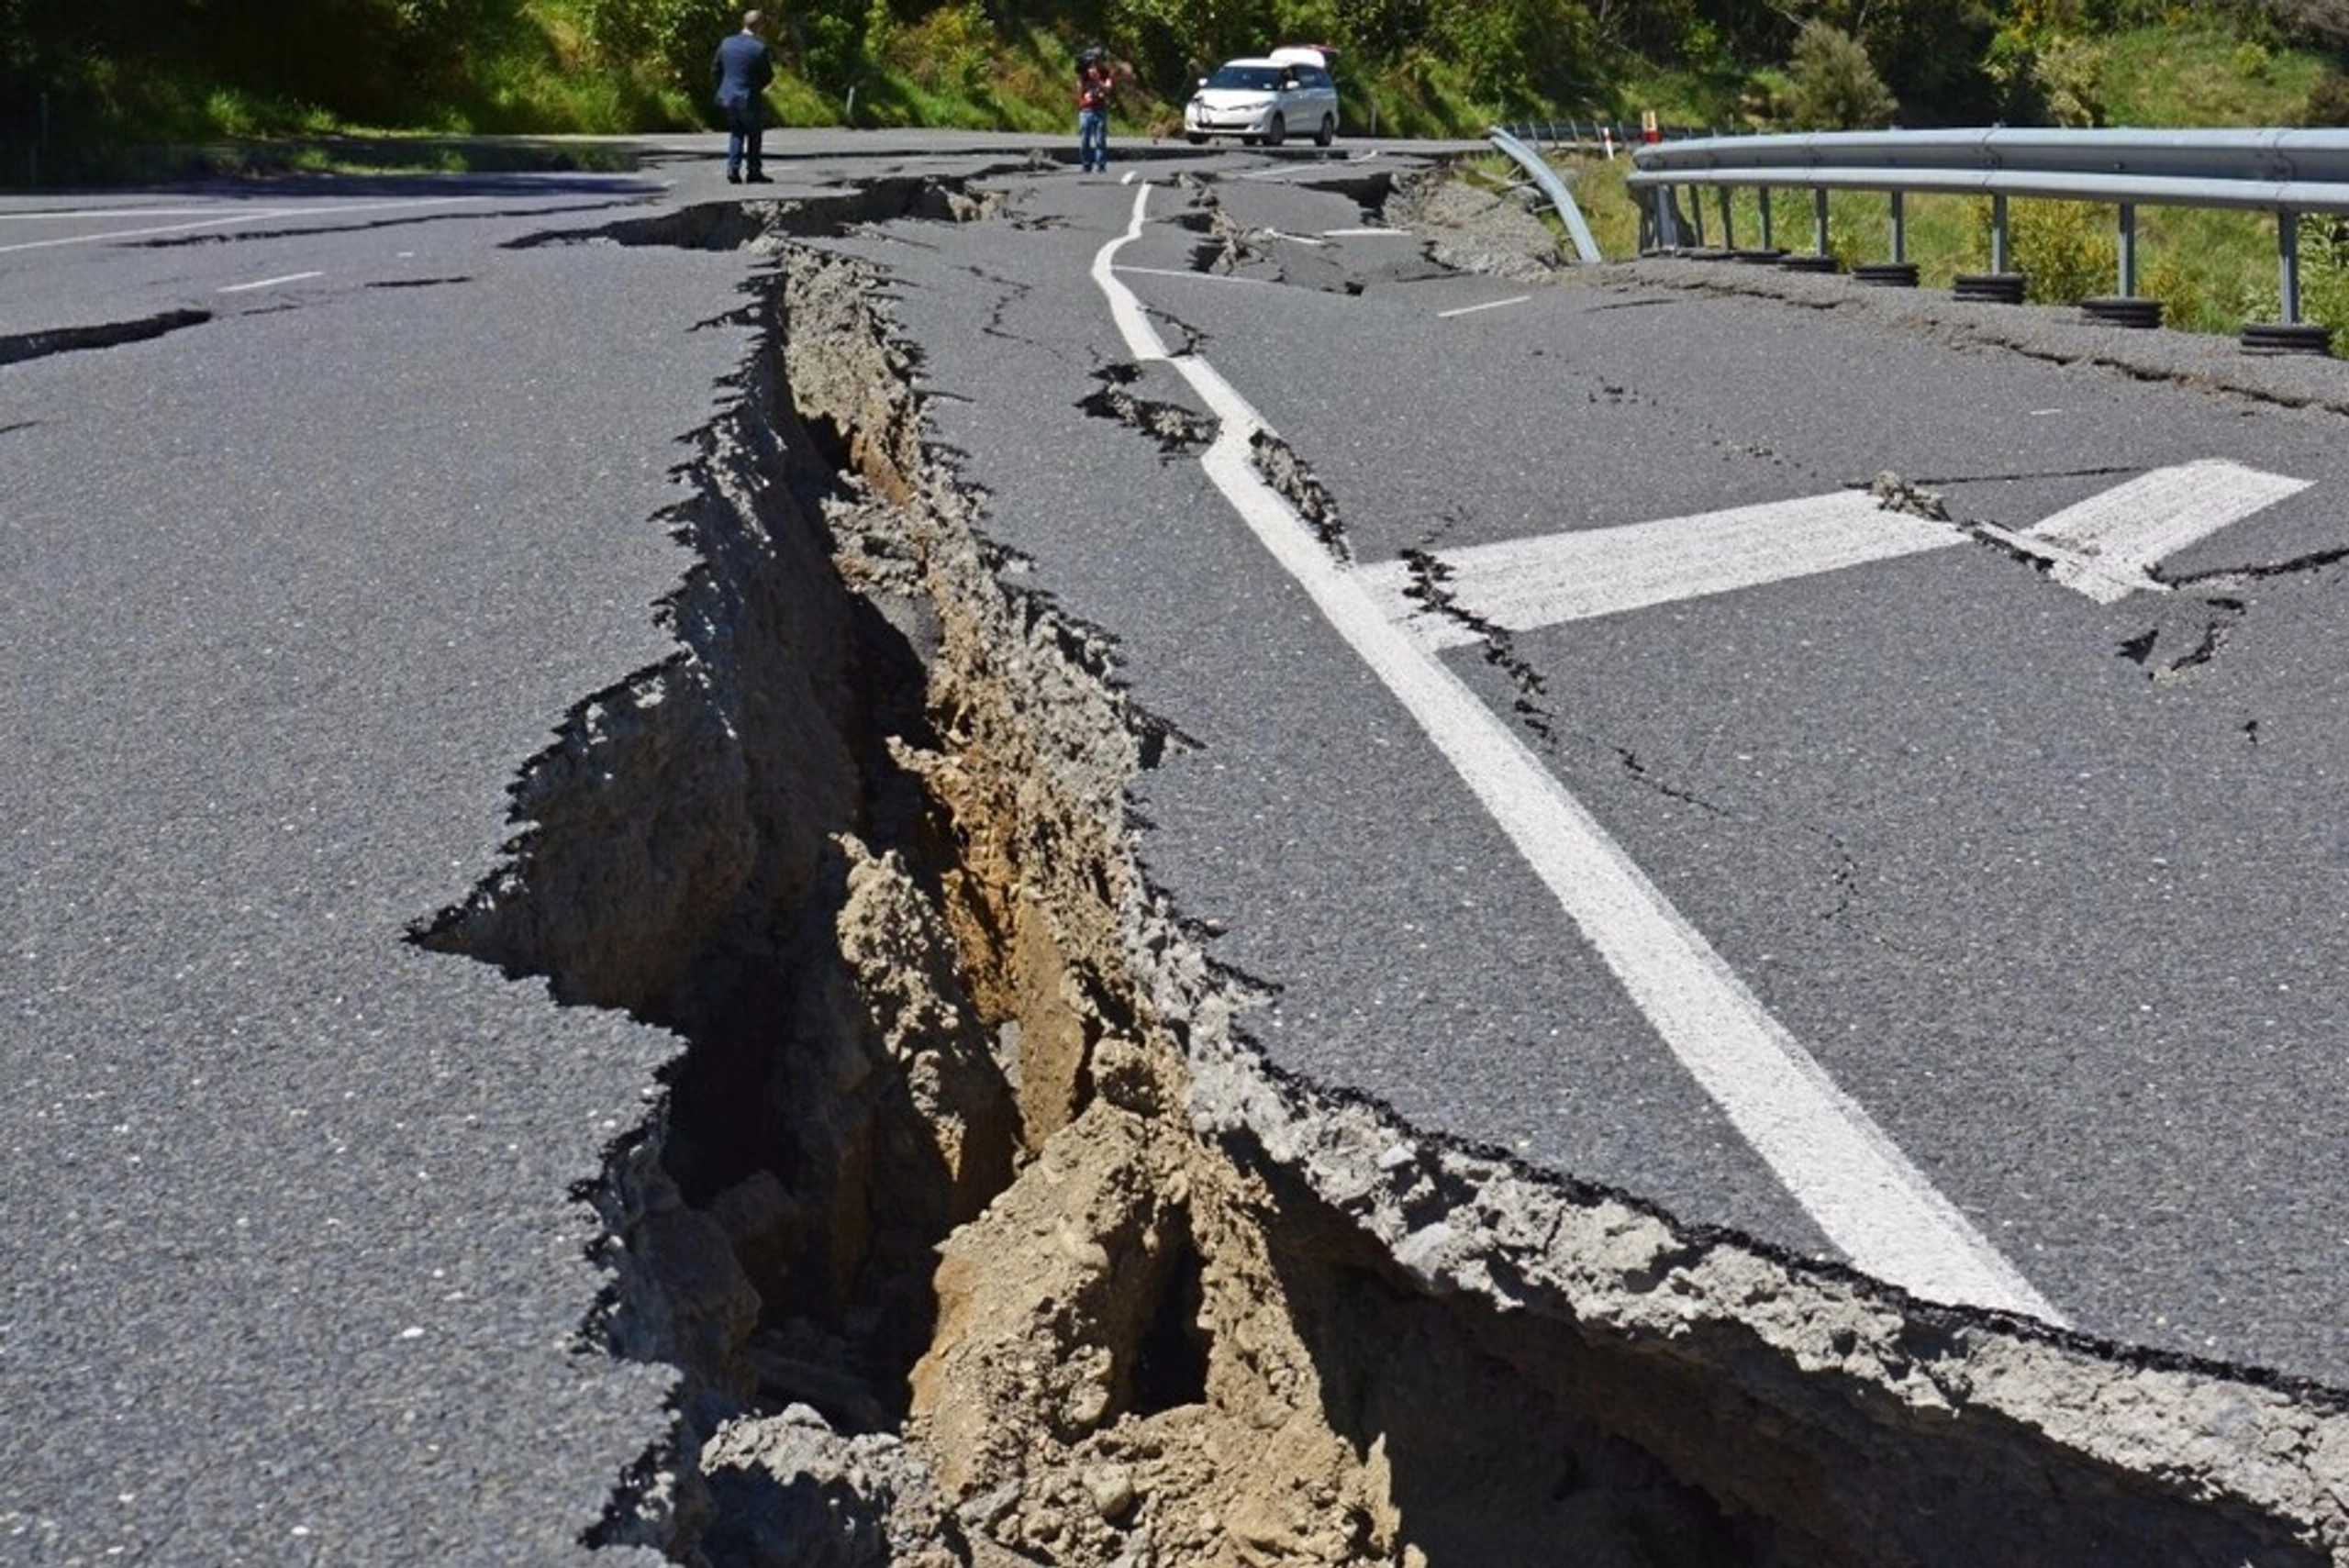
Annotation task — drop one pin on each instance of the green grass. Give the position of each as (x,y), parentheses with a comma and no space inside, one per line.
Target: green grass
(2191,76)
(2213,270)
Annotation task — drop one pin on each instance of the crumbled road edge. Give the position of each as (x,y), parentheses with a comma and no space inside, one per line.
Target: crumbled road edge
(980,1233)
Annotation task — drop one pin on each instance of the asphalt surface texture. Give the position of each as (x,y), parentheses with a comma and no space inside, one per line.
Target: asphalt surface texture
(2060,910)
(321,502)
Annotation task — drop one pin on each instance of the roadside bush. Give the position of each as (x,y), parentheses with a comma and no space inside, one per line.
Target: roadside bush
(2325,274)
(2065,249)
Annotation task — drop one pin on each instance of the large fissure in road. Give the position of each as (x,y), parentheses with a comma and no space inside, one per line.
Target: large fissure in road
(979,1233)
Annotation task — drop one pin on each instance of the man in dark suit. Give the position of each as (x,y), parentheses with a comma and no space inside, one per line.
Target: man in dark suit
(743,68)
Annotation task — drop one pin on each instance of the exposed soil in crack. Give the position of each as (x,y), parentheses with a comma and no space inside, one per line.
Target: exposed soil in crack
(1175,429)
(1476,230)
(979,1234)
(1294,479)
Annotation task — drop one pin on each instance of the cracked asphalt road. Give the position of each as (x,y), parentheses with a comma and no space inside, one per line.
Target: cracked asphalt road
(2060,905)
(293,588)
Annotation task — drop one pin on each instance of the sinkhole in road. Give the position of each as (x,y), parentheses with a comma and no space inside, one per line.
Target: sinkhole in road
(978,1231)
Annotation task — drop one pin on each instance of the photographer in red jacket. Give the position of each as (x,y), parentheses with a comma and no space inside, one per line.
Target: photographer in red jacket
(1094,84)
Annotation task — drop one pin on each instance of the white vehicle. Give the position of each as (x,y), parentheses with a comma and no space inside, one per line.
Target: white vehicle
(1288,92)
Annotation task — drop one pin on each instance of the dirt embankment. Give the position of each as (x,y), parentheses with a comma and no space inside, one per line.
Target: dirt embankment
(981,1235)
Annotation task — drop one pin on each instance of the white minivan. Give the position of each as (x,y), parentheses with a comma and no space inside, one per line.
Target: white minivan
(1289,92)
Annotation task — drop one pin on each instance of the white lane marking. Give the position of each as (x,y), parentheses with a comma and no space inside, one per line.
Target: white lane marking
(1488,304)
(2104,548)
(270,283)
(1859,1188)
(1368,234)
(1314,241)
(2108,545)
(1199,277)
(85,213)
(257,216)
(1522,585)
(133,233)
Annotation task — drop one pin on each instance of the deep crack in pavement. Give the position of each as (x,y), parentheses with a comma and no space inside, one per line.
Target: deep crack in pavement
(978,1231)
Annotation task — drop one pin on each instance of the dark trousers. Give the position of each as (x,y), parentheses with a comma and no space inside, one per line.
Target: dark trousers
(744,132)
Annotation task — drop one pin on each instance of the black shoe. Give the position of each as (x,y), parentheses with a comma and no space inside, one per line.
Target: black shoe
(756,180)
(732,178)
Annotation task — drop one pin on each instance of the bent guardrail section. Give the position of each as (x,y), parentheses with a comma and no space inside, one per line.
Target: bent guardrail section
(1534,164)
(2287,172)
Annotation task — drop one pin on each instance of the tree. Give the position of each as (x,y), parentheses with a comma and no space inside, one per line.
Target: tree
(1927,52)
(1833,84)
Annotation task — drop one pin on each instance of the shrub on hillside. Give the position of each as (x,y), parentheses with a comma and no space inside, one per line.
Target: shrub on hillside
(1833,85)
(2328,101)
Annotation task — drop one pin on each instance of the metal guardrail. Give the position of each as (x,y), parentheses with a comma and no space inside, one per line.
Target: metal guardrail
(2287,172)
(1594,135)
(1535,166)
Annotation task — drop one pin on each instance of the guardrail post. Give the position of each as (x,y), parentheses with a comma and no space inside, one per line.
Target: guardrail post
(1667,219)
(2001,246)
(1766,245)
(1819,218)
(2128,250)
(2287,250)
(1728,221)
(1900,226)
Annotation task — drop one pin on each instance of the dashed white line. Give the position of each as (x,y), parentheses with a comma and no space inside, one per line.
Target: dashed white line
(1858,1186)
(270,283)
(1488,304)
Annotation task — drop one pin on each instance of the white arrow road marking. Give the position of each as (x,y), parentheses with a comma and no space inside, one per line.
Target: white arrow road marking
(2108,545)
(1856,1185)
(1523,584)
(2105,547)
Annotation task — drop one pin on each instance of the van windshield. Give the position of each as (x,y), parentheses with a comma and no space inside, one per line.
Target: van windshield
(1259,78)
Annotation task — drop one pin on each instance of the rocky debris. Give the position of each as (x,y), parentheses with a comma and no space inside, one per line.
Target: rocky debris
(1175,429)
(1472,229)
(1895,494)
(1298,484)
(788,1492)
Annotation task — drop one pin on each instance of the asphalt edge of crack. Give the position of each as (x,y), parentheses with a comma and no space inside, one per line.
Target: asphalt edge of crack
(1300,1112)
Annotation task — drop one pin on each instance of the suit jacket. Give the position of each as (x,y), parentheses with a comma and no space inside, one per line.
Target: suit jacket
(743,68)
